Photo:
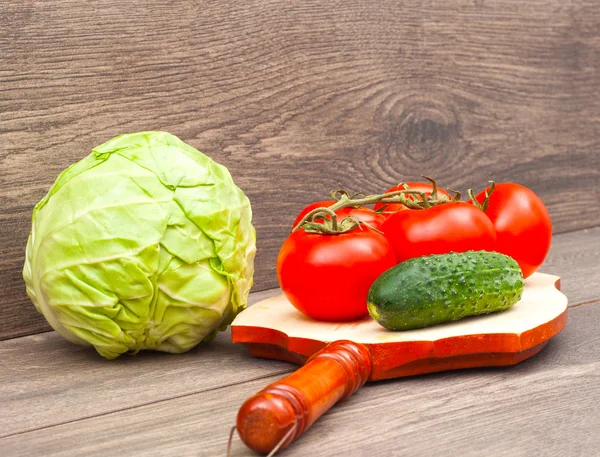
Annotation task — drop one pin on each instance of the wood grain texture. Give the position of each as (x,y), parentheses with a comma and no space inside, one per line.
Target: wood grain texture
(574,257)
(75,382)
(546,406)
(297,98)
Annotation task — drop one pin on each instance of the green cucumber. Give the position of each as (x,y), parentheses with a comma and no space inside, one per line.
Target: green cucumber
(430,290)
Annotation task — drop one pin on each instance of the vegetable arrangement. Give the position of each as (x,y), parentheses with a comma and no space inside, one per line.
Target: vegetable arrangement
(414,256)
(144,244)
(148,244)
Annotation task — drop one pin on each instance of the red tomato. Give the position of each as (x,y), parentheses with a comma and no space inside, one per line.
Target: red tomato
(522,222)
(426,187)
(449,227)
(362,214)
(328,277)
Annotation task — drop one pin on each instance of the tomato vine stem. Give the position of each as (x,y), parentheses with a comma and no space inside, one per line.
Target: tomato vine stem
(413,199)
(482,206)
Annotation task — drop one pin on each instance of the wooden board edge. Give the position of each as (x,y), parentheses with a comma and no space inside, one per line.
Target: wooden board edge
(467,351)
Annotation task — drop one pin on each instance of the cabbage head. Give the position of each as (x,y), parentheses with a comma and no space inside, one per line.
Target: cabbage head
(146,243)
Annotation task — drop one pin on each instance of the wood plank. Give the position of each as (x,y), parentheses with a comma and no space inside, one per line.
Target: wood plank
(544,406)
(74,382)
(574,257)
(297,99)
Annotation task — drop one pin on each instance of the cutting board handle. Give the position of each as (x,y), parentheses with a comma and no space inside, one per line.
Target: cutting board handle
(298,400)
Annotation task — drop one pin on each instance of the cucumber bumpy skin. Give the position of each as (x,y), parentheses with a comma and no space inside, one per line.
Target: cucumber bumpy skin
(430,290)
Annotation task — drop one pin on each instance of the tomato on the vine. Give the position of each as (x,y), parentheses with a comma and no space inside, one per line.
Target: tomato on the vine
(444,228)
(327,277)
(522,223)
(362,213)
(425,187)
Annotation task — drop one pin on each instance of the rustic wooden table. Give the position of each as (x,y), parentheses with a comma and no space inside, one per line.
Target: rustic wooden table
(61,399)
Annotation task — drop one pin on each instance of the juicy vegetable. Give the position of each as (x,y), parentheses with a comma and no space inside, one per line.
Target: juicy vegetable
(449,227)
(327,277)
(522,223)
(144,244)
(441,288)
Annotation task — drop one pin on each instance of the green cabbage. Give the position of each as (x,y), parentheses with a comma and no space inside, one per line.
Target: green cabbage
(144,244)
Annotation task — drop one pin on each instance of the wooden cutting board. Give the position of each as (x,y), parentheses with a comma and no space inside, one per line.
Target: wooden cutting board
(343,356)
